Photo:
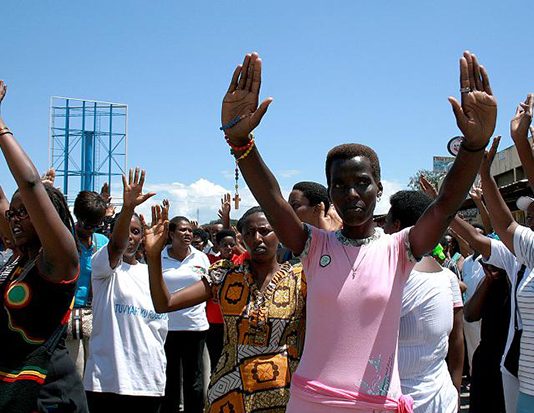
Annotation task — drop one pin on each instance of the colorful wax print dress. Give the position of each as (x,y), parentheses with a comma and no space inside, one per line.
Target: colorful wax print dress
(263,338)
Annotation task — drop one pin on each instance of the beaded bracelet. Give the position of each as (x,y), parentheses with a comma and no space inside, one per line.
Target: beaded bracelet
(232,123)
(239,148)
(247,152)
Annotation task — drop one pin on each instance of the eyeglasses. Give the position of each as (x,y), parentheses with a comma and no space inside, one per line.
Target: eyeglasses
(20,213)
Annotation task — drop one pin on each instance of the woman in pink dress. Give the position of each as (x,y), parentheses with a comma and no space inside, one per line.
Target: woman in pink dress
(355,275)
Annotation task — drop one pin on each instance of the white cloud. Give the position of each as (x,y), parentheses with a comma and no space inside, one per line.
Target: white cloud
(289,173)
(201,196)
(205,196)
(390,187)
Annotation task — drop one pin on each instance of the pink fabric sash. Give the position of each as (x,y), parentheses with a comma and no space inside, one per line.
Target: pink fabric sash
(315,391)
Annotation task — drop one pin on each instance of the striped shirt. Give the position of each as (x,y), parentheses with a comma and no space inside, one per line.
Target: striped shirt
(524,251)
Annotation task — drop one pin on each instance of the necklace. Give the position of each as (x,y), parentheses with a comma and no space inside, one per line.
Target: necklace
(349,242)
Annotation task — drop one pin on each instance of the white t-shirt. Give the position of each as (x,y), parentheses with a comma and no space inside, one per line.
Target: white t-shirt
(126,353)
(427,318)
(472,274)
(524,251)
(501,257)
(178,275)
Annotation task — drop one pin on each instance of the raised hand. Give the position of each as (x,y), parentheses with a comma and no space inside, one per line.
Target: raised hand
(476,115)
(427,187)
(226,206)
(3,90)
(133,189)
(105,193)
(156,234)
(49,177)
(476,193)
(489,156)
(240,104)
(520,123)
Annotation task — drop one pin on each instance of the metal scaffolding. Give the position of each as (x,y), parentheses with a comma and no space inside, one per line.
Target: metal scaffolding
(87,144)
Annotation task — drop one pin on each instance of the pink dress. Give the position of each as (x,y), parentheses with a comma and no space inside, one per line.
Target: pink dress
(349,361)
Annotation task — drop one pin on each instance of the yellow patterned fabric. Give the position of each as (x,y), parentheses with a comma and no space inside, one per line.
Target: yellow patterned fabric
(263,338)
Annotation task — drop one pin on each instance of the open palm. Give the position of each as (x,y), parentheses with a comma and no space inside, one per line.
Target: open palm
(133,189)
(240,104)
(477,114)
(157,233)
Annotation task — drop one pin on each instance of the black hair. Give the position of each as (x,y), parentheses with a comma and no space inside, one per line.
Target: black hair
(249,212)
(314,192)
(174,222)
(89,206)
(199,232)
(349,151)
(116,218)
(223,234)
(408,206)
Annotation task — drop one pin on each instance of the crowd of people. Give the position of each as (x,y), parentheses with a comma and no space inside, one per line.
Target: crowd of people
(306,305)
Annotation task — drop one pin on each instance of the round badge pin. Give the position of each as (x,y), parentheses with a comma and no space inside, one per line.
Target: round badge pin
(325,260)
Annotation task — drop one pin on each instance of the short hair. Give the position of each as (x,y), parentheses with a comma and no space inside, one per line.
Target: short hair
(223,234)
(314,192)
(199,232)
(173,223)
(408,206)
(249,212)
(116,219)
(349,151)
(89,206)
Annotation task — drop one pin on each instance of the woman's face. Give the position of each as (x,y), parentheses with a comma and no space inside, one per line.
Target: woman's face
(135,237)
(259,237)
(21,226)
(301,206)
(226,247)
(182,235)
(353,190)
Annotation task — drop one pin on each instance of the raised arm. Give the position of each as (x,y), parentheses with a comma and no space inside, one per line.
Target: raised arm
(224,210)
(156,237)
(132,197)
(476,117)
(475,239)
(240,115)
(477,195)
(519,127)
(501,217)
(59,248)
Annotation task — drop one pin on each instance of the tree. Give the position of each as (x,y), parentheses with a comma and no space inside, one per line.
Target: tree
(435,179)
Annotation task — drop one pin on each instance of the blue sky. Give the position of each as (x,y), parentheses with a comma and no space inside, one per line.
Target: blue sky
(374,72)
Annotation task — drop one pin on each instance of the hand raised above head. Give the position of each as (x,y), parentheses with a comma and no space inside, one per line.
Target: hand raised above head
(477,114)
(427,187)
(240,111)
(520,123)
(156,234)
(133,189)
(3,90)
(489,156)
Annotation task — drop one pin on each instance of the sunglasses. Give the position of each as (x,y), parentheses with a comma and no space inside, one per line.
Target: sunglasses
(20,213)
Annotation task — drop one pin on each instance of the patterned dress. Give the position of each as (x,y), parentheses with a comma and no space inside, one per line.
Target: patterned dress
(263,338)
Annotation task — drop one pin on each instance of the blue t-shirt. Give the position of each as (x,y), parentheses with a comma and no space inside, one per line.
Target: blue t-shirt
(84,280)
